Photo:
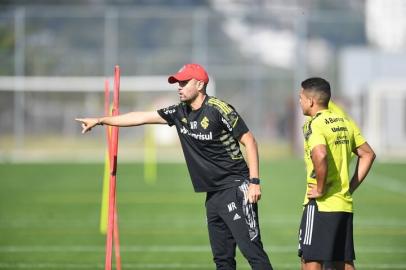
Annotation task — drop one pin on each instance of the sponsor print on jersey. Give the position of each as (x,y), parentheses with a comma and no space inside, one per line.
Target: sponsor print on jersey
(331,120)
(226,123)
(342,140)
(169,110)
(336,129)
(231,122)
(198,136)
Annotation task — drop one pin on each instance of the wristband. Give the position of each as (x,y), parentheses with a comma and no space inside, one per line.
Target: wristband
(255,181)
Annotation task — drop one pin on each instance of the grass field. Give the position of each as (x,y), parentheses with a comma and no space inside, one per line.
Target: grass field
(49,217)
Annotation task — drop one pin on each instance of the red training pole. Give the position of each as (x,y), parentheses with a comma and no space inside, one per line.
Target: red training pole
(109,235)
(116,240)
(112,227)
(116,111)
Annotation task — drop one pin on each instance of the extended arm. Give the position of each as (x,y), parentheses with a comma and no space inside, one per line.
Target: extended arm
(366,157)
(251,148)
(319,159)
(123,120)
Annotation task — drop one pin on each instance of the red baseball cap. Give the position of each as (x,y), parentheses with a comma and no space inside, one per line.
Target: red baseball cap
(190,71)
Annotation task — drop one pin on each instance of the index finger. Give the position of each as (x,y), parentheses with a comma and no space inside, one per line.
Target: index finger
(80,119)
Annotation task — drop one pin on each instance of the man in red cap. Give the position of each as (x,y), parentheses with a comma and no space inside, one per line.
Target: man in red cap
(210,133)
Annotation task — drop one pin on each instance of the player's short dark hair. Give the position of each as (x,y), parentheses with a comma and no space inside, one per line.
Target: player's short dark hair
(205,87)
(319,86)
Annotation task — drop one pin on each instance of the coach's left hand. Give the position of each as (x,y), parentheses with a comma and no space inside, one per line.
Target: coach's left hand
(254,193)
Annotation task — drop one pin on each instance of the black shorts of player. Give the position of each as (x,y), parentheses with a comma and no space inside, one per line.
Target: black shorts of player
(325,236)
(233,221)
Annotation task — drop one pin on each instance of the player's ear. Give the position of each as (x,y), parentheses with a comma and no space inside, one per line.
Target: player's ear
(200,85)
(311,101)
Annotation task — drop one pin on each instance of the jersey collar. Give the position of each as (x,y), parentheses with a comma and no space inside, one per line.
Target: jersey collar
(320,112)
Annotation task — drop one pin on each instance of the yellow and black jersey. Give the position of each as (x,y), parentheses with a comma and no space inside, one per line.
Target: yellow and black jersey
(340,136)
(337,109)
(333,107)
(209,138)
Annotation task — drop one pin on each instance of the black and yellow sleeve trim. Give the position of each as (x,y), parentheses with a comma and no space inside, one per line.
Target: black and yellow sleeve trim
(224,107)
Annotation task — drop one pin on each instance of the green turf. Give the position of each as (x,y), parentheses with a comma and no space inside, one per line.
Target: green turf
(49,217)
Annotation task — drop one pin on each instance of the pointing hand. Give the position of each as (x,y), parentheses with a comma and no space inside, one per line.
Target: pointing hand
(88,123)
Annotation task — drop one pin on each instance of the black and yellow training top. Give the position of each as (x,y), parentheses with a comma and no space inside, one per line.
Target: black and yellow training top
(209,138)
(341,136)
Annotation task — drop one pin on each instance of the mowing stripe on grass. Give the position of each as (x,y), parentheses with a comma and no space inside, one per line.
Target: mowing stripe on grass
(167,266)
(387,183)
(180,223)
(173,249)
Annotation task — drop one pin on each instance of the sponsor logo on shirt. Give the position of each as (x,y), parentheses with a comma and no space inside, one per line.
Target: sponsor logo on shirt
(198,136)
(169,111)
(342,140)
(227,124)
(335,129)
(331,120)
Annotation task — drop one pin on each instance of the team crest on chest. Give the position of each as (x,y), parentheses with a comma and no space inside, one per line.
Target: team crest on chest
(205,122)
(184,120)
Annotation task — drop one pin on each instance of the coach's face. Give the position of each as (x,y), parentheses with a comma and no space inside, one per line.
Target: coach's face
(189,90)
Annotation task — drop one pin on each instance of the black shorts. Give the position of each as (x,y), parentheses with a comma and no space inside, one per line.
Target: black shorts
(325,236)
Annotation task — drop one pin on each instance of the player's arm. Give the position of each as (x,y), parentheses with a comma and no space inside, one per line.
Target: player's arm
(320,165)
(251,148)
(366,157)
(123,120)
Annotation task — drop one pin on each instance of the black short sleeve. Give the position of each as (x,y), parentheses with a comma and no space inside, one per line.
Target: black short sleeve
(169,114)
(233,122)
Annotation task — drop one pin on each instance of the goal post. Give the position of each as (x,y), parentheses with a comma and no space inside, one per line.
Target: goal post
(385,118)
